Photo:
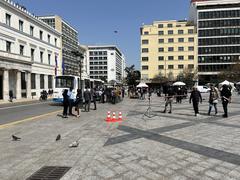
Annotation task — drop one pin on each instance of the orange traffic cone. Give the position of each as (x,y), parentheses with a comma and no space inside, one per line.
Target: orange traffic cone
(108,119)
(120,116)
(114,117)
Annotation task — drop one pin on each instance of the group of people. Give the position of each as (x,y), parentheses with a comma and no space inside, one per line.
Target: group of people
(196,98)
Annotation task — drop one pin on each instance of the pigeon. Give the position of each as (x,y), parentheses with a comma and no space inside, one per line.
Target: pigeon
(74,144)
(58,137)
(15,138)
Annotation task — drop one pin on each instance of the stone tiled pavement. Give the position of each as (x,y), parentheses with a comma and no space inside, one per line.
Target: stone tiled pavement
(166,146)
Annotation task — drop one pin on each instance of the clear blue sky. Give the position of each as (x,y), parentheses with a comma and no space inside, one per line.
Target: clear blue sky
(96,20)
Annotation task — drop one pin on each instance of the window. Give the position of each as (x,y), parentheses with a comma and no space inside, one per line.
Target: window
(49,38)
(160,32)
(170,66)
(170,49)
(8,19)
(20,25)
(170,58)
(190,39)
(32,54)
(190,66)
(31,30)
(21,49)
(180,48)
(146,33)
(145,41)
(55,41)
(170,32)
(33,81)
(50,83)
(144,67)
(160,66)
(160,40)
(180,66)
(180,31)
(41,35)
(180,39)
(160,58)
(144,50)
(8,46)
(180,57)
(41,81)
(170,40)
(160,26)
(161,49)
(41,57)
(144,58)
(190,48)
(190,57)
(49,59)
(190,31)
(169,25)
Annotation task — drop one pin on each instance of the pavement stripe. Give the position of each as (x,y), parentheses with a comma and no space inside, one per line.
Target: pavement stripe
(27,119)
(24,105)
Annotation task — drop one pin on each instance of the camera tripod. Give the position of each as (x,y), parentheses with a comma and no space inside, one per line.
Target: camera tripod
(148,112)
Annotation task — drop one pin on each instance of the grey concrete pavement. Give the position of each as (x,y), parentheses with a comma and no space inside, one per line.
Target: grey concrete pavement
(166,146)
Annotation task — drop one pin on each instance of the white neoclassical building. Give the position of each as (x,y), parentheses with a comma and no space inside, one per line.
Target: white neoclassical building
(30,53)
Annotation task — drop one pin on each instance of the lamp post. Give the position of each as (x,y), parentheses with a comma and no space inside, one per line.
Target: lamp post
(80,56)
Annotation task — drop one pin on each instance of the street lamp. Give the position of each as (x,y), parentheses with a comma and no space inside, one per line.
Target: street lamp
(80,56)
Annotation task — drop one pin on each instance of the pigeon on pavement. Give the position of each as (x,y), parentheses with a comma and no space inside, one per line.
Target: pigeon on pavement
(15,138)
(58,137)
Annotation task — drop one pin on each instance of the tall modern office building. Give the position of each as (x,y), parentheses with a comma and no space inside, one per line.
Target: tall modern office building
(69,42)
(218,26)
(106,63)
(167,48)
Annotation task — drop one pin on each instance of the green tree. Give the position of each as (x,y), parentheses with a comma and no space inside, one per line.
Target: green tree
(231,74)
(189,76)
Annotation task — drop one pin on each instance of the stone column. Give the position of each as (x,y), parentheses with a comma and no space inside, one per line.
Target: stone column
(46,82)
(28,86)
(18,86)
(5,84)
(37,79)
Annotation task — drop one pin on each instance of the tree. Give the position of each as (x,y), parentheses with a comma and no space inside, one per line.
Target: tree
(232,73)
(189,76)
(132,75)
(159,78)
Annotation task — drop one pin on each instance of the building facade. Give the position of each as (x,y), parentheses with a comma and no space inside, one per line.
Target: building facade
(218,25)
(29,53)
(106,63)
(69,43)
(167,48)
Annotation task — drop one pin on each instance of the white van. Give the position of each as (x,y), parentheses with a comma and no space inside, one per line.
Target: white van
(203,89)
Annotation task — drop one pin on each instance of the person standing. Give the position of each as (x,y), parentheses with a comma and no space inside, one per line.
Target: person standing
(213,99)
(195,98)
(123,92)
(169,99)
(71,101)
(78,101)
(226,98)
(65,103)
(94,97)
(87,98)
(11,96)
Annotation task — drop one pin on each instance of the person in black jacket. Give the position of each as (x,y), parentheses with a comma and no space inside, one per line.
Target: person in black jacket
(226,98)
(87,98)
(94,97)
(78,101)
(65,103)
(195,97)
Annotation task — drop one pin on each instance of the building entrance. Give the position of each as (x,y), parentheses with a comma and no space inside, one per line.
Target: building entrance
(1,87)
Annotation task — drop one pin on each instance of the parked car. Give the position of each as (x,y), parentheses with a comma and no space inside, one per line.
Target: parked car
(203,89)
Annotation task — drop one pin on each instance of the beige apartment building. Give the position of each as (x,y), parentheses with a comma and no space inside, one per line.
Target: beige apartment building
(167,48)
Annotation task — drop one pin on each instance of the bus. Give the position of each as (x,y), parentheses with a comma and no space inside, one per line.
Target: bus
(67,81)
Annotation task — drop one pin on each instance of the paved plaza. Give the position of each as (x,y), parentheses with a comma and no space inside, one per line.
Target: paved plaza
(165,146)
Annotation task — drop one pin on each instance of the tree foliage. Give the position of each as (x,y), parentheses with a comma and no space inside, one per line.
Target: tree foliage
(133,76)
(188,76)
(232,74)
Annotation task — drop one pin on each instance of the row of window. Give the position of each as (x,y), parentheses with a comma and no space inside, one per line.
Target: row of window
(218,59)
(170,40)
(98,67)
(169,25)
(98,72)
(170,58)
(219,14)
(219,23)
(98,58)
(98,63)
(213,68)
(42,84)
(98,77)
(180,66)
(170,49)
(219,41)
(219,50)
(21,25)
(96,53)
(219,32)
(171,32)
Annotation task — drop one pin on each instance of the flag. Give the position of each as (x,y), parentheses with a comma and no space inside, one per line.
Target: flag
(56,65)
